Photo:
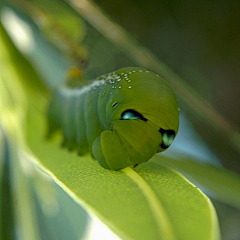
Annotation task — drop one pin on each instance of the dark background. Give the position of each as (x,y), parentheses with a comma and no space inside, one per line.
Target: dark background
(200,41)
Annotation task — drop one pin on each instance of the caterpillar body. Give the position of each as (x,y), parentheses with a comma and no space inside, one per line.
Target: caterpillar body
(123,118)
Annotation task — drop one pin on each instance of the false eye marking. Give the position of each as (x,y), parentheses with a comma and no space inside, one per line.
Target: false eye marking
(132,114)
(167,138)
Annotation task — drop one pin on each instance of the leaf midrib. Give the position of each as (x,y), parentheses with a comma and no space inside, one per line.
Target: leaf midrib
(164,226)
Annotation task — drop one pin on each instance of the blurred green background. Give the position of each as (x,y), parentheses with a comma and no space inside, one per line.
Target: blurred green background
(199,40)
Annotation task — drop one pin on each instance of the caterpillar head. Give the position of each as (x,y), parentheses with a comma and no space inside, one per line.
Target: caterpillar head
(142,117)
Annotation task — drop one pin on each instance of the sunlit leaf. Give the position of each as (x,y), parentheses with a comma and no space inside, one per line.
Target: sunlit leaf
(151,201)
(223,184)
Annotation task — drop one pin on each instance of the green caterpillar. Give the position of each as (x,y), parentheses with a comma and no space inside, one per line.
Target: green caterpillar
(123,118)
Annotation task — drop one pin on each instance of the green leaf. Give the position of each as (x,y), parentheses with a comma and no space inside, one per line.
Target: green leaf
(6,200)
(223,184)
(149,202)
(17,202)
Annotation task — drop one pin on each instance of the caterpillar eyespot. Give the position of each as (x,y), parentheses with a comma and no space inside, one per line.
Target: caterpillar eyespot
(123,118)
(132,114)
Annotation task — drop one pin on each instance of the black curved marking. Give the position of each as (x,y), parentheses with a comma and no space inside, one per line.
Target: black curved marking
(115,104)
(167,137)
(131,114)
(135,165)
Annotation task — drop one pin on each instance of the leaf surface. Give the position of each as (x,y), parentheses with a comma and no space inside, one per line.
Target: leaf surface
(222,183)
(151,201)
